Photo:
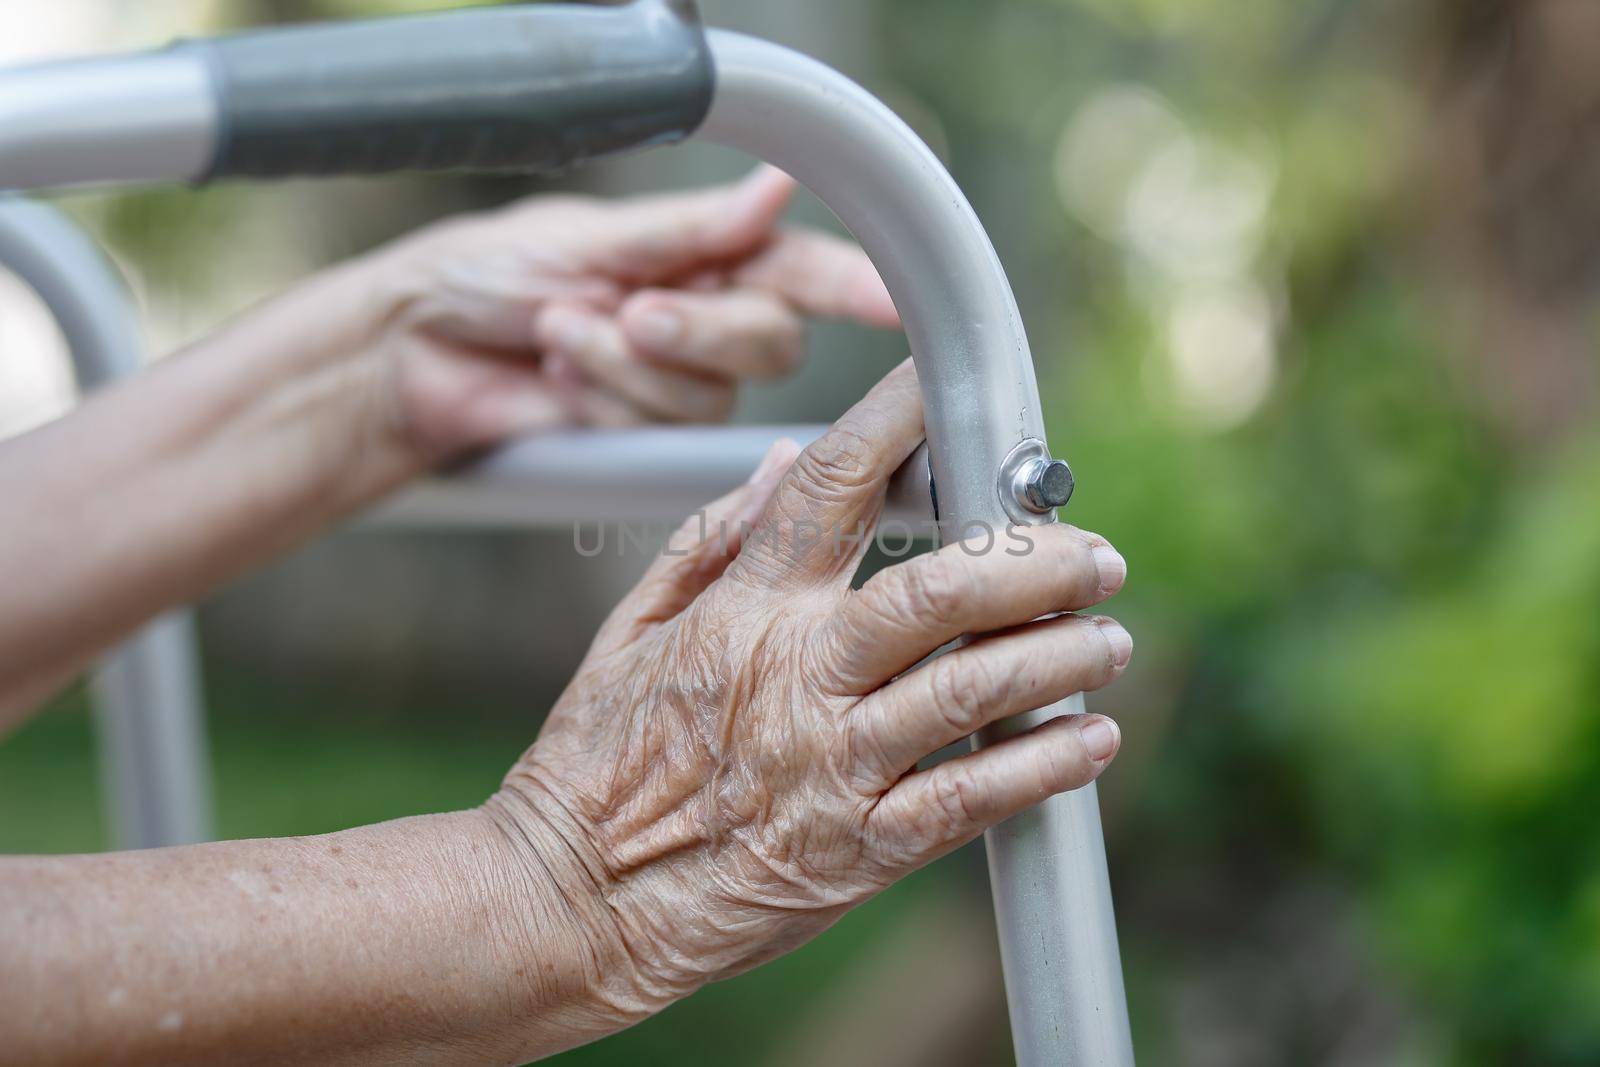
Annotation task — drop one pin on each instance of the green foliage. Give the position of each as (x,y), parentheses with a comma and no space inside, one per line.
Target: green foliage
(1450,743)
(1370,620)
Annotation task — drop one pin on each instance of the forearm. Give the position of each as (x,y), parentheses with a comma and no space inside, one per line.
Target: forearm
(421,941)
(160,489)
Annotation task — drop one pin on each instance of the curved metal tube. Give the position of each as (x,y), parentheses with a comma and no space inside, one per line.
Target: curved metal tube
(1052,893)
(146,693)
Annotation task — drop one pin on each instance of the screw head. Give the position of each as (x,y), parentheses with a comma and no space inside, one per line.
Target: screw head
(1033,483)
(1050,485)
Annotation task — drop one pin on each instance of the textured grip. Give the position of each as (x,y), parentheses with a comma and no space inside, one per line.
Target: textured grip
(527,87)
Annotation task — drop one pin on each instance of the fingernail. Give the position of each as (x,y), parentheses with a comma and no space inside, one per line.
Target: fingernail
(1111,567)
(1100,738)
(658,328)
(1120,640)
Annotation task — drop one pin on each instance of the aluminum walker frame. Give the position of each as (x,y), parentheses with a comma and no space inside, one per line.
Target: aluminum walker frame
(537,88)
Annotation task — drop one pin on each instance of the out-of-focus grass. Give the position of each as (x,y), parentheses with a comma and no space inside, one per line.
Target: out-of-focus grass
(48,789)
(320,771)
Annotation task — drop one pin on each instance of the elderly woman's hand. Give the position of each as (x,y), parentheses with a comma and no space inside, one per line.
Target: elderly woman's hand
(556,312)
(564,311)
(734,766)
(732,769)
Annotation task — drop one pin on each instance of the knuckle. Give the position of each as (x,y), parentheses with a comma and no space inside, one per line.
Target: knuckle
(958,798)
(961,688)
(843,459)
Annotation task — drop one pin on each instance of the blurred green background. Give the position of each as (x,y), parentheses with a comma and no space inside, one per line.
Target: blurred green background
(1312,291)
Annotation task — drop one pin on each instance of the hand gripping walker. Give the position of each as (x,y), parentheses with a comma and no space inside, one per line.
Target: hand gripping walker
(541,88)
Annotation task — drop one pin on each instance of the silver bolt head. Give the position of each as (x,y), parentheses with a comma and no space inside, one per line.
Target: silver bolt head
(1050,486)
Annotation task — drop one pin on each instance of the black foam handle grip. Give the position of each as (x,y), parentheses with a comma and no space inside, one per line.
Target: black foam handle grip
(533,87)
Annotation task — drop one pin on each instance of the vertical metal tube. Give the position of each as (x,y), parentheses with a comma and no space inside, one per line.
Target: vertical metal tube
(149,715)
(157,783)
(1052,893)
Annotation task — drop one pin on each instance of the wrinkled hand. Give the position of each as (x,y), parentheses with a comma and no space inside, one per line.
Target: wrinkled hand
(734,766)
(568,311)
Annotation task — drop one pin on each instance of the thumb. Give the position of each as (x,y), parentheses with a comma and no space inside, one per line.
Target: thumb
(661,237)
